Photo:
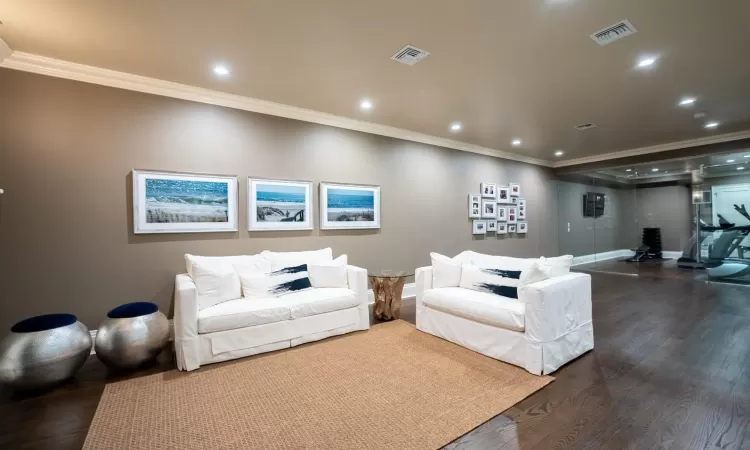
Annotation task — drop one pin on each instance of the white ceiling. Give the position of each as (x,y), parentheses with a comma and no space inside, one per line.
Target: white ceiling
(505,69)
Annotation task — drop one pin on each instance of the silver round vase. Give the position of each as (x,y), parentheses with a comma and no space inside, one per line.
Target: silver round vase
(43,351)
(131,335)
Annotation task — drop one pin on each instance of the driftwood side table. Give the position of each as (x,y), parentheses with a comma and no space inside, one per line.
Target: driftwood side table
(387,289)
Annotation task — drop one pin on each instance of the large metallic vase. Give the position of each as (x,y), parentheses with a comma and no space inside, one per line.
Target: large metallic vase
(131,335)
(44,350)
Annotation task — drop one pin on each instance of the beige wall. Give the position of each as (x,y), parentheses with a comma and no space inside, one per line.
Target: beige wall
(67,149)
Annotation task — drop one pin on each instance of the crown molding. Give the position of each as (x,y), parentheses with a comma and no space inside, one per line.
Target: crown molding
(43,65)
(656,148)
(5,51)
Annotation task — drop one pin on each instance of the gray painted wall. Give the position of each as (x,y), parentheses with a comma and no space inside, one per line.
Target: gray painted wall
(668,208)
(67,150)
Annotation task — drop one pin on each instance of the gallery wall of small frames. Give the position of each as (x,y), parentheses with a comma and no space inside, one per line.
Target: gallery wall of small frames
(498,210)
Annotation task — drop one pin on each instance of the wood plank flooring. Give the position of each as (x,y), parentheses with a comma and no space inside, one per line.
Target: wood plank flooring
(671,370)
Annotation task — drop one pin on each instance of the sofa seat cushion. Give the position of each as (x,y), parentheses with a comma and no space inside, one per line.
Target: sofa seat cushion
(490,309)
(319,301)
(242,313)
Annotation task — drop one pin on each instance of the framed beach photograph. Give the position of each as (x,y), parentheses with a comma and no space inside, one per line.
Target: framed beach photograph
(489,190)
(475,205)
(279,205)
(511,228)
(349,206)
(523,227)
(502,213)
(502,228)
(179,202)
(503,194)
(480,227)
(491,226)
(515,190)
(489,209)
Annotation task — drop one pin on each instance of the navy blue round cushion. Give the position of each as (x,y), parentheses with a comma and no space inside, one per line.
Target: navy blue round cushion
(130,310)
(44,322)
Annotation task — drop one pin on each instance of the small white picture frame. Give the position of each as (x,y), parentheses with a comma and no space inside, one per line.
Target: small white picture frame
(511,228)
(523,227)
(522,210)
(512,214)
(514,200)
(480,227)
(491,226)
(502,228)
(475,206)
(489,209)
(515,190)
(503,194)
(502,214)
(489,190)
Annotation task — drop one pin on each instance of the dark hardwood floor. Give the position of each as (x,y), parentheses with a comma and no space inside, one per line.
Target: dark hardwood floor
(670,370)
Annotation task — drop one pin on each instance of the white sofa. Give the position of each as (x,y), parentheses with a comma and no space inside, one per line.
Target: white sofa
(247,326)
(548,324)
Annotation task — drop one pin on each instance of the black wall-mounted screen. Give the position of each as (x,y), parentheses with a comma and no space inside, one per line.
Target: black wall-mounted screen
(593,204)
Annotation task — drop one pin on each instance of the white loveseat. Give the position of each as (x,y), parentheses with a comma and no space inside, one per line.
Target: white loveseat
(548,324)
(242,326)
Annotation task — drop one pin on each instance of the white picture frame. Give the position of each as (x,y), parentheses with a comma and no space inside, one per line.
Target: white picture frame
(272,205)
(511,228)
(183,202)
(514,200)
(489,209)
(502,213)
(491,226)
(488,190)
(523,227)
(502,228)
(521,209)
(361,212)
(512,215)
(503,194)
(475,206)
(479,227)
(515,189)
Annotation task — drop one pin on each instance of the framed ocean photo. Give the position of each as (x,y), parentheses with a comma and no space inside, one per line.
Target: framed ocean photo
(349,206)
(279,205)
(174,202)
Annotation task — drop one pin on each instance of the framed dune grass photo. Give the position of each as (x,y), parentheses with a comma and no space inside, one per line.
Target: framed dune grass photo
(279,205)
(179,202)
(349,206)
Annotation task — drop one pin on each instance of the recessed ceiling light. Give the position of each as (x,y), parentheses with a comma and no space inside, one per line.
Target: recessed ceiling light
(221,70)
(687,101)
(559,153)
(365,104)
(711,125)
(628,170)
(740,168)
(456,126)
(516,142)
(730,160)
(654,170)
(646,62)
(747,156)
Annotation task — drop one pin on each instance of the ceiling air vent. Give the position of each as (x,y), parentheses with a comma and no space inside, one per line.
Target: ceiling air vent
(614,32)
(585,126)
(410,55)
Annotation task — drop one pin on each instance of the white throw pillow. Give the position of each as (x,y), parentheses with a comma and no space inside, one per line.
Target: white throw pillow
(215,284)
(557,266)
(446,272)
(275,284)
(500,281)
(329,275)
(280,260)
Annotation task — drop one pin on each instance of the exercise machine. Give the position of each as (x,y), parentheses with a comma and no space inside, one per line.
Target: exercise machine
(690,254)
(730,255)
(650,246)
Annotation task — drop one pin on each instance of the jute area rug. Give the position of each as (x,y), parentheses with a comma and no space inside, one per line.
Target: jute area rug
(391,387)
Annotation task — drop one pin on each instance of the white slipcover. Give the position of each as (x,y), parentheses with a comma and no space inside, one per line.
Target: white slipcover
(248,326)
(555,315)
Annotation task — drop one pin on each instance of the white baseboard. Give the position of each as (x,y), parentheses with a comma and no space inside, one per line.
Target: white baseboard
(616,254)
(410,291)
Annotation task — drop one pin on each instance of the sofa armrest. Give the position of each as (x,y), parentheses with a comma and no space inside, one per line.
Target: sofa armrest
(357,279)
(186,322)
(556,306)
(422,281)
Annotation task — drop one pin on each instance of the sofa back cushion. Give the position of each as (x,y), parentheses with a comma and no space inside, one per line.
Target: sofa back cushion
(557,266)
(215,283)
(280,260)
(446,272)
(329,275)
(276,283)
(499,279)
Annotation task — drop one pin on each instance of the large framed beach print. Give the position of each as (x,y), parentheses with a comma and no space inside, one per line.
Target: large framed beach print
(279,205)
(174,202)
(349,206)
